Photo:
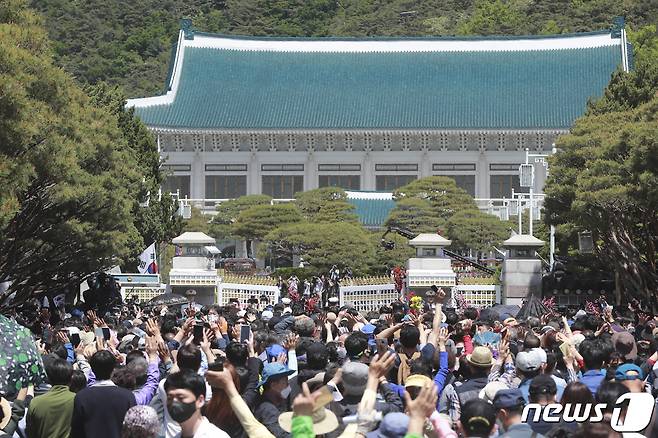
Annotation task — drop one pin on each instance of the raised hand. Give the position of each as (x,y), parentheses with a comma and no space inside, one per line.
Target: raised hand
(303,404)
(291,342)
(425,404)
(380,365)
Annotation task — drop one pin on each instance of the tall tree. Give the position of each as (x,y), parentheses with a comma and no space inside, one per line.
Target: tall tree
(221,226)
(475,230)
(322,245)
(326,204)
(441,192)
(416,215)
(69,178)
(604,179)
(255,222)
(155,216)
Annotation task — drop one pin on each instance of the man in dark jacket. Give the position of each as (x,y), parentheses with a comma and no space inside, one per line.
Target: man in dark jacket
(479,365)
(98,411)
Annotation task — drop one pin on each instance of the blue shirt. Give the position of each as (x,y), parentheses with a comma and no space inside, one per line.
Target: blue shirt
(592,379)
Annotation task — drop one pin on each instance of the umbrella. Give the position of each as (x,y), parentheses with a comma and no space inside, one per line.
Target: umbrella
(20,361)
(499,312)
(532,307)
(167,300)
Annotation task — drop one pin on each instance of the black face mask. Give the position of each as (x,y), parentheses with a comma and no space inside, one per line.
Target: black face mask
(181,412)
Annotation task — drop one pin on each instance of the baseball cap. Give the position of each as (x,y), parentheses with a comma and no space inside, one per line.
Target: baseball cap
(528,361)
(266,315)
(355,377)
(393,425)
(508,398)
(368,329)
(628,371)
(543,384)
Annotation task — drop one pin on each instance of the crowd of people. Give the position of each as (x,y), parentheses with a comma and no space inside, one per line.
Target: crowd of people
(282,370)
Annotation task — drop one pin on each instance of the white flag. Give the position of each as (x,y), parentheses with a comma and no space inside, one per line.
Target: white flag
(147,261)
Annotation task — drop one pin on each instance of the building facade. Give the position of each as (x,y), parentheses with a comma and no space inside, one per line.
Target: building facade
(245,115)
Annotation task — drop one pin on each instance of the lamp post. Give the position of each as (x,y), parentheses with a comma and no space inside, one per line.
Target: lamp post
(527,179)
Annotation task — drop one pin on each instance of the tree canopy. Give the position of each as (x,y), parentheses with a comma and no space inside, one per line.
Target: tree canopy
(255,222)
(326,204)
(221,225)
(475,230)
(322,245)
(69,176)
(442,194)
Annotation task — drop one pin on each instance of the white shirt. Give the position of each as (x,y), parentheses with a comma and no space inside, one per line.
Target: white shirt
(208,430)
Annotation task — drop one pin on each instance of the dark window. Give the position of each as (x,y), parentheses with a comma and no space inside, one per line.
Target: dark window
(466,182)
(396,167)
(502,185)
(392,182)
(448,167)
(177,167)
(498,166)
(349,182)
(341,167)
(226,167)
(282,186)
(177,182)
(279,167)
(225,186)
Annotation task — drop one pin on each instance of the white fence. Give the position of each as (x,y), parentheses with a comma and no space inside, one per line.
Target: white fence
(480,295)
(226,291)
(368,297)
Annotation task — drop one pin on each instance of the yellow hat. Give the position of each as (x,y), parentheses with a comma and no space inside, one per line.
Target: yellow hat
(417,380)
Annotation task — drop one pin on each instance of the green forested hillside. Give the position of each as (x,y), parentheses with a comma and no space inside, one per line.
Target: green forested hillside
(128,42)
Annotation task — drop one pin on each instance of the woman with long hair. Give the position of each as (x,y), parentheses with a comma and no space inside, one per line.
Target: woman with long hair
(219,411)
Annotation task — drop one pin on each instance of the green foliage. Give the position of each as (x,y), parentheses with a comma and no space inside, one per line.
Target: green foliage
(69,176)
(198,222)
(227,213)
(322,245)
(475,230)
(629,90)
(326,204)
(387,259)
(604,179)
(442,194)
(255,222)
(415,215)
(492,17)
(129,43)
(156,219)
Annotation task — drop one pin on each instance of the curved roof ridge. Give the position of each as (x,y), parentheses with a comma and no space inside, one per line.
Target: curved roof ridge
(403,38)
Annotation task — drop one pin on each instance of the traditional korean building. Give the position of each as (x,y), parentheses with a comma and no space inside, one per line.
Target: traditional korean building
(247,115)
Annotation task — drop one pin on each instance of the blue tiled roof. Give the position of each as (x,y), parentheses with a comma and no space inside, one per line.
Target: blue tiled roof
(372,213)
(260,89)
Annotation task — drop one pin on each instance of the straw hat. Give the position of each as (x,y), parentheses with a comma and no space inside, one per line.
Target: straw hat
(324,421)
(6,413)
(481,357)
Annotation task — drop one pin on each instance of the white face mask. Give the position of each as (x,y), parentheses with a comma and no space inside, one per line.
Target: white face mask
(286,391)
(212,317)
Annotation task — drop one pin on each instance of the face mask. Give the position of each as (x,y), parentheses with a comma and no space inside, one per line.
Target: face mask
(212,317)
(181,412)
(286,391)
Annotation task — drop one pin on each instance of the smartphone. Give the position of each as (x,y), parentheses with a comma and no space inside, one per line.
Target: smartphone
(75,339)
(382,345)
(564,348)
(218,365)
(325,397)
(99,333)
(106,333)
(198,333)
(245,333)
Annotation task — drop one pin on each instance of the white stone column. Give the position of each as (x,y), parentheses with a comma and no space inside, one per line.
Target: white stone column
(197,179)
(482,187)
(253,176)
(368,173)
(310,172)
(425,165)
